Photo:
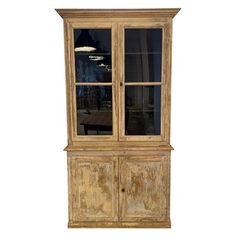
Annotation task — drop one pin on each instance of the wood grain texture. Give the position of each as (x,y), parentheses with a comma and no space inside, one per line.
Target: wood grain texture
(93,188)
(165,84)
(68,82)
(70,65)
(96,198)
(119,146)
(118,180)
(117,13)
(118,81)
(132,224)
(143,181)
(133,151)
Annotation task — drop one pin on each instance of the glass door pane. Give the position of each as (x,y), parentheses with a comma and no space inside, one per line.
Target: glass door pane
(93,81)
(143,55)
(142,110)
(92,55)
(94,110)
(143,77)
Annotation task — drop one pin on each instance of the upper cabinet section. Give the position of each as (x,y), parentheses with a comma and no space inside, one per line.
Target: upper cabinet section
(118,74)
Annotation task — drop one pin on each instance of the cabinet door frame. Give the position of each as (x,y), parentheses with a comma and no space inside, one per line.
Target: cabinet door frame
(73,161)
(164,160)
(165,81)
(69,26)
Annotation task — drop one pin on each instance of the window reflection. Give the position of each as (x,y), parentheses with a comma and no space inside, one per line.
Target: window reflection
(92,55)
(143,55)
(142,110)
(94,110)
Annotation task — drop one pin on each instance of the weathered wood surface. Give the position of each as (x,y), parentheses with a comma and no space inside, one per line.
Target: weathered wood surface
(139,185)
(93,189)
(101,167)
(144,183)
(117,13)
(119,224)
(118,78)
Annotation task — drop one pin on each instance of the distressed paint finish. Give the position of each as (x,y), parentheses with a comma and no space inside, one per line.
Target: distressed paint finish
(93,189)
(119,181)
(144,184)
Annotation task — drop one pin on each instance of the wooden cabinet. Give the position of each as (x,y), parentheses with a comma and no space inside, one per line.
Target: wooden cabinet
(118,77)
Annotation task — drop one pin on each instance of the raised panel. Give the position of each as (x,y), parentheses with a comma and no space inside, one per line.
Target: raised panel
(93,188)
(144,184)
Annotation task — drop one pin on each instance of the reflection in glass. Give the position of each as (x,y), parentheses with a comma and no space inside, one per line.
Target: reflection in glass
(143,55)
(94,110)
(92,55)
(142,110)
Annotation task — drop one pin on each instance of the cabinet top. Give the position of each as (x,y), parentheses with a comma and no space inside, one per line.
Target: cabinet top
(117,13)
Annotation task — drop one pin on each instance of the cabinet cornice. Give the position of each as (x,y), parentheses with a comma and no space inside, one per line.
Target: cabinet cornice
(118,13)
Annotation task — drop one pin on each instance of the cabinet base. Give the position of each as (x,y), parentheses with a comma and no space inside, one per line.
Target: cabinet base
(164,224)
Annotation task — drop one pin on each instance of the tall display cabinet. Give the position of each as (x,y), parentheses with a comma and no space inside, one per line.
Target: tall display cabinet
(118,86)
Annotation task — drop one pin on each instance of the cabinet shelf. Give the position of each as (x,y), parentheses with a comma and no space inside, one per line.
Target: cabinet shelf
(108,54)
(93,53)
(143,53)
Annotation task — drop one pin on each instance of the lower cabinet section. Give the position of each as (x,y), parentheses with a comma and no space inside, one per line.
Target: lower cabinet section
(119,191)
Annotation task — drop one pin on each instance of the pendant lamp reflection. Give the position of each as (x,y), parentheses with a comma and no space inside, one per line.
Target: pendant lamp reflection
(105,64)
(96,58)
(85,43)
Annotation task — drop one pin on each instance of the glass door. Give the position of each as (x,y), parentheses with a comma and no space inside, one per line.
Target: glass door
(94,105)
(142,83)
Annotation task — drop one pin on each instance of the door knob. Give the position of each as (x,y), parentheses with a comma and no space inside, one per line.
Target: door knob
(121,84)
(123,190)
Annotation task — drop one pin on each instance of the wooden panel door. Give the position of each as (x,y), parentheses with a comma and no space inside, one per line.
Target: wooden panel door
(144,188)
(93,188)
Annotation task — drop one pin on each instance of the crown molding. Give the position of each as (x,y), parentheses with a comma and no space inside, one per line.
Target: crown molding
(117,13)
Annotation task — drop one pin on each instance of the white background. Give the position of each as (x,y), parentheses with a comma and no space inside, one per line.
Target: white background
(33,178)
